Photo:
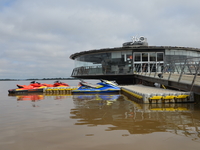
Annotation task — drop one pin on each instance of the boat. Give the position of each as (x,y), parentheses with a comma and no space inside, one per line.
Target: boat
(35,87)
(104,86)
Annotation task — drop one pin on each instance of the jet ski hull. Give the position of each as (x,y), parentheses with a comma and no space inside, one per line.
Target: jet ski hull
(95,91)
(18,91)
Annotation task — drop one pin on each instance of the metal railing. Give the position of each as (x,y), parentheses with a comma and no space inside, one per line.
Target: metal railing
(87,70)
(180,70)
(99,70)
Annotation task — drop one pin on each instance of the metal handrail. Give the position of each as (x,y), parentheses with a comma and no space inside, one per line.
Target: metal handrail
(179,68)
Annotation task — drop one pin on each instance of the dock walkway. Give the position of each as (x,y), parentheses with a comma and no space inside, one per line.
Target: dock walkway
(146,94)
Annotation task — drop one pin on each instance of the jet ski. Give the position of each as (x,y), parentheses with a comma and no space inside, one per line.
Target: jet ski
(104,86)
(37,84)
(60,84)
(35,87)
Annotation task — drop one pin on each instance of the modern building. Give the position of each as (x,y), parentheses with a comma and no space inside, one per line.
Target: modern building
(121,63)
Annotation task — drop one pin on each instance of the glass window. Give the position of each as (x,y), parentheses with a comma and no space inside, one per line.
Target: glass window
(184,53)
(127,55)
(116,55)
(137,56)
(195,54)
(167,52)
(153,67)
(152,56)
(137,68)
(144,56)
(145,67)
(159,56)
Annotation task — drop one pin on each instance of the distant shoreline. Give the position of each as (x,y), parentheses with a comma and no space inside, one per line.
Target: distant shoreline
(39,79)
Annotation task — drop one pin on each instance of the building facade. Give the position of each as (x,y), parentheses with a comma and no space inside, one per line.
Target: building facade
(121,62)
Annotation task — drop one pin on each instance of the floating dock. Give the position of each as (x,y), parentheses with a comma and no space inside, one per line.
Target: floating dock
(59,90)
(147,94)
(138,93)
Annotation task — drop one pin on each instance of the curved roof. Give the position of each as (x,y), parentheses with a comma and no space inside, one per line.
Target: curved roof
(137,47)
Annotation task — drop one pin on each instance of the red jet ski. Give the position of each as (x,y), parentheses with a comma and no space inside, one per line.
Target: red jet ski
(35,87)
(59,84)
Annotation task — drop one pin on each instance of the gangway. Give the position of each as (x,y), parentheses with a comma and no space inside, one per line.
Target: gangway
(181,74)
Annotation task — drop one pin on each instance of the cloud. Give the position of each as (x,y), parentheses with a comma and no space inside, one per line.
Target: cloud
(37,37)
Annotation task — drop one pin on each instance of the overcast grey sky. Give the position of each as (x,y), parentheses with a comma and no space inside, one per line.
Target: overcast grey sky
(38,36)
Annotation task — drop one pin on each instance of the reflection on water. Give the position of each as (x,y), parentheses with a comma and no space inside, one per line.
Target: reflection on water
(101,99)
(30,97)
(37,96)
(122,114)
(62,121)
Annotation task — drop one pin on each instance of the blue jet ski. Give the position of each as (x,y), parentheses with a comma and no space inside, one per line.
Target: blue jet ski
(102,87)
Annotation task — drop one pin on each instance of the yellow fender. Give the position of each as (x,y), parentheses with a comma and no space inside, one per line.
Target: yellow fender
(62,89)
(169,97)
(181,96)
(55,89)
(48,90)
(133,94)
(170,109)
(155,97)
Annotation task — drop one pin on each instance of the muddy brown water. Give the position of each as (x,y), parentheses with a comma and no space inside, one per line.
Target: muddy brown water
(94,122)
